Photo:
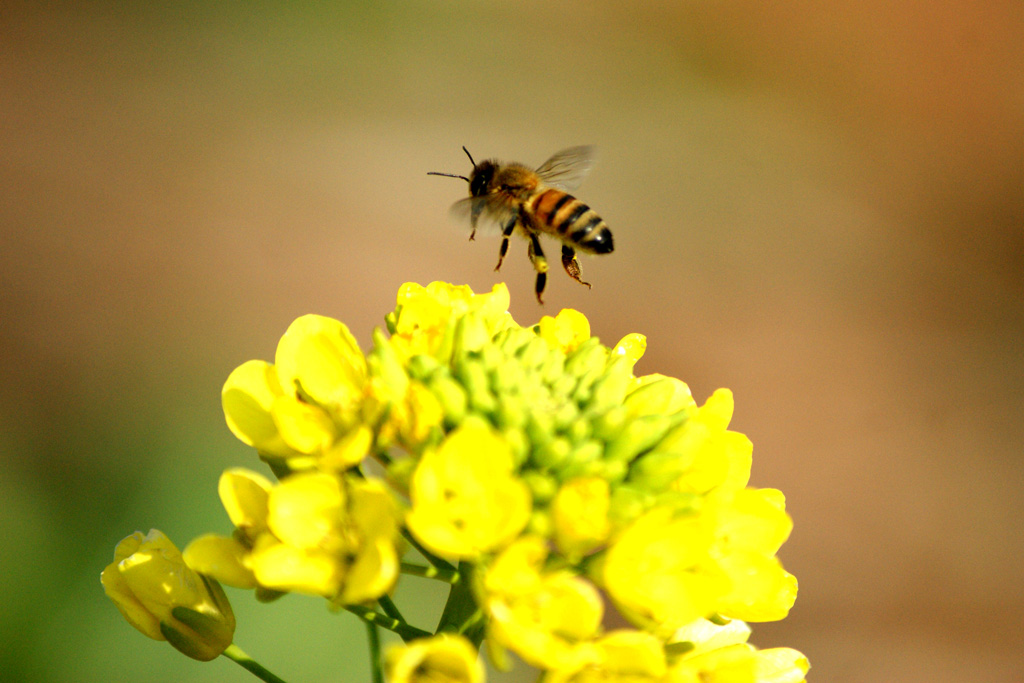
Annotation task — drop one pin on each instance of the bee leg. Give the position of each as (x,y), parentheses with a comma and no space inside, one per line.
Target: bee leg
(506,232)
(571,265)
(540,264)
(474,216)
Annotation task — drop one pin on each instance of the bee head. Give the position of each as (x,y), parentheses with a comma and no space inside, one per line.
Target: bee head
(480,178)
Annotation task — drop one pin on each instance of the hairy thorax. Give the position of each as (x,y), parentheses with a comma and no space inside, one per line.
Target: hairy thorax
(516,182)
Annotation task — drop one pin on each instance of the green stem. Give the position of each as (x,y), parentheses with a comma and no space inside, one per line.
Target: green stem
(389,607)
(374,637)
(403,629)
(446,575)
(235,653)
(461,614)
(431,557)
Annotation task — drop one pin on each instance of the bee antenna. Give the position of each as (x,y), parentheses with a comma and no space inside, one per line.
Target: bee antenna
(448,175)
(468,155)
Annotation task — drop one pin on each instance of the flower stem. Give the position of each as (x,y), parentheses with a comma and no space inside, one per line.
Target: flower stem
(389,607)
(448,576)
(431,557)
(406,631)
(461,613)
(236,654)
(375,665)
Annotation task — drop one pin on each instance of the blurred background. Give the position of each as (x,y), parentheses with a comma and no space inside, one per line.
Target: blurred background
(818,206)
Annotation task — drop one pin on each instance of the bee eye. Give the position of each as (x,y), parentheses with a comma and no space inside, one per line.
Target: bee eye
(480,181)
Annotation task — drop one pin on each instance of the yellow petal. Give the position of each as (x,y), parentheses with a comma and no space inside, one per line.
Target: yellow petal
(307,510)
(320,357)
(303,427)
(632,347)
(781,665)
(444,658)
(247,397)
(566,331)
(287,568)
(221,558)
(244,494)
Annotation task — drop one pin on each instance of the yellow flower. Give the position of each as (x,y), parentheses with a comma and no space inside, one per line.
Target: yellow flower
(625,656)
(658,395)
(534,456)
(730,664)
(704,635)
(580,515)
(244,494)
(165,600)
(329,536)
(424,318)
(632,347)
(318,358)
(465,498)
(445,658)
(314,533)
(307,404)
(781,665)
(719,653)
(548,618)
(411,419)
(700,454)
(566,331)
(751,525)
(660,573)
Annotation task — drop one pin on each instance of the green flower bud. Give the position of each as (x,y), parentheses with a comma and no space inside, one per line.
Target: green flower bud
(535,352)
(508,377)
(474,378)
(656,470)
(553,454)
(610,388)
(610,425)
(543,487)
(160,596)
(471,334)
(511,413)
(615,471)
(552,371)
(514,340)
(628,503)
(566,416)
(588,451)
(422,367)
(540,523)
(588,358)
(563,386)
(639,435)
(540,428)
(451,396)
(518,443)
(587,468)
(580,429)
(391,320)
(584,460)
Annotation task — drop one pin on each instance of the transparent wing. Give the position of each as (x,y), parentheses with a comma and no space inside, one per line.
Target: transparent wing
(485,215)
(567,169)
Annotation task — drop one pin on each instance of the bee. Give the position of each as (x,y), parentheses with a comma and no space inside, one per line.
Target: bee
(536,201)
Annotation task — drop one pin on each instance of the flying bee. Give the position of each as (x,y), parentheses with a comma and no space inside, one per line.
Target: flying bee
(536,201)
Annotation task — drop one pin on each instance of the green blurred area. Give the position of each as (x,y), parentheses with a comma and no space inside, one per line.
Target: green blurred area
(818,207)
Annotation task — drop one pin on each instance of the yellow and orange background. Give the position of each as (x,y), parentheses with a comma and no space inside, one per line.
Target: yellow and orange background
(818,206)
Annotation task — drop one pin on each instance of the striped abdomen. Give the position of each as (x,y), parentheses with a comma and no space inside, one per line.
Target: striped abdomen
(567,218)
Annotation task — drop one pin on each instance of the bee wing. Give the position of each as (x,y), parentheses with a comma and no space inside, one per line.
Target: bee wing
(567,169)
(485,215)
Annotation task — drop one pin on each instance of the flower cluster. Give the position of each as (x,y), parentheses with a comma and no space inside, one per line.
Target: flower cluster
(596,523)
